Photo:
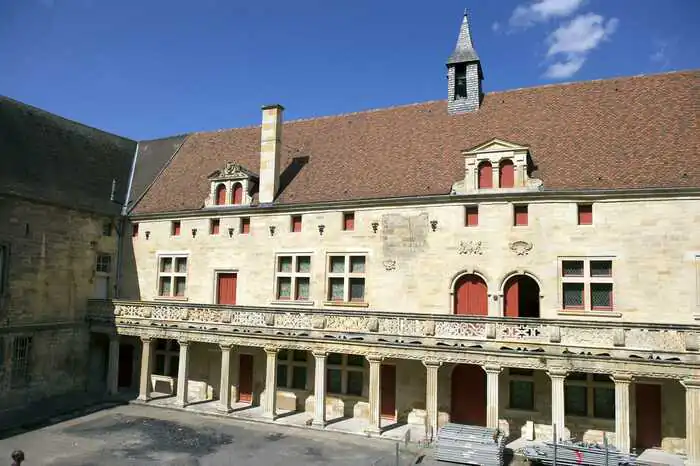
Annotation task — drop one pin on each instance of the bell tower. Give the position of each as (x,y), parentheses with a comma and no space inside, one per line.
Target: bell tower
(464,73)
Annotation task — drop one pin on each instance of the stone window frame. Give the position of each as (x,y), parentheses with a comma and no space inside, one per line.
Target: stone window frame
(107,228)
(174,256)
(591,383)
(587,280)
(345,369)
(103,264)
(20,360)
(522,377)
(170,352)
(291,365)
(347,276)
(294,275)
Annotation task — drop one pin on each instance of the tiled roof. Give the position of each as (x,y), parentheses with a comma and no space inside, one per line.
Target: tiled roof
(52,159)
(634,132)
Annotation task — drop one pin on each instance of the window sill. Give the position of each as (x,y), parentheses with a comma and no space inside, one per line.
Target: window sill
(171,298)
(521,411)
(583,313)
(583,419)
(345,304)
(696,316)
(289,302)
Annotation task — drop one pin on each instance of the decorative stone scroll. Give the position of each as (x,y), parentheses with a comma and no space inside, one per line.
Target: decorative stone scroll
(389,265)
(521,248)
(472,247)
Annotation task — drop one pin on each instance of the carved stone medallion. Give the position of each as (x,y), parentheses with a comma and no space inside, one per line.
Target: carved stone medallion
(470,247)
(390,265)
(521,248)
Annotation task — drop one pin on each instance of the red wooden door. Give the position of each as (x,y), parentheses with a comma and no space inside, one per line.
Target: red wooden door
(485,175)
(245,378)
(511,298)
(226,288)
(468,395)
(126,365)
(648,401)
(471,297)
(387,395)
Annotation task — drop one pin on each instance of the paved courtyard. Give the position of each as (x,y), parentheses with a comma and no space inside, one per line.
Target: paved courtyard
(143,435)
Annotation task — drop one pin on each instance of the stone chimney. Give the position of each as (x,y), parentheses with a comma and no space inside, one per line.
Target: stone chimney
(270,147)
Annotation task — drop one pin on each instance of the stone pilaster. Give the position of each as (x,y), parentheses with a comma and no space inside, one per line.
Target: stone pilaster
(145,379)
(492,373)
(431,398)
(225,383)
(113,365)
(375,365)
(182,373)
(692,421)
(557,377)
(320,390)
(622,412)
(270,407)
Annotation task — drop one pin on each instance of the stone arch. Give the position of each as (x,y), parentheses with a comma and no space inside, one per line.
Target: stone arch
(521,293)
(220,194)
(237,193)
(470,294)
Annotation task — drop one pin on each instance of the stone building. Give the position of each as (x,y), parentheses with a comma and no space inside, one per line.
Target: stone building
(524,259)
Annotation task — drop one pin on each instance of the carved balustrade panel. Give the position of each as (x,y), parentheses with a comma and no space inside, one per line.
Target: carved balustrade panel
(204,314)
(586,337)
(531,333)
(655,340)
(294,320)
(248,318)
(169,313)
(340,323)
(470,330)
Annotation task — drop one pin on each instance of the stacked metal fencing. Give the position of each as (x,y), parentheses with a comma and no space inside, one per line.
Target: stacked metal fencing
(565,453)
(464,444)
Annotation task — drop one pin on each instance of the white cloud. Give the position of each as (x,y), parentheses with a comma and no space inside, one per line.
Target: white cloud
(496,26)
(662,53)
(571,43)
(542,10)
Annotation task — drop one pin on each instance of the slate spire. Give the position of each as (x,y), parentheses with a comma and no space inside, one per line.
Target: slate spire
(464,50)
(464,73)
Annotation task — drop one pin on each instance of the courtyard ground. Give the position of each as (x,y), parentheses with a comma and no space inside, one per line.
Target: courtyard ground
(143,435)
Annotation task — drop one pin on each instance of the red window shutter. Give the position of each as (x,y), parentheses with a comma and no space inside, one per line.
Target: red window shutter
(349,221)
(471,296)
(520,214)
(296,223)
(471,218)
(226,288)
(176,228)
(585,214)
(511,298)
(237,193)
(245,225)
(215,224)
(485,175)
(221,194)
(506,174)
(135,230)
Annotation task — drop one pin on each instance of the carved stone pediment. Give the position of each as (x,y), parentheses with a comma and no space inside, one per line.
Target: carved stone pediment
(232,171)
(521,248)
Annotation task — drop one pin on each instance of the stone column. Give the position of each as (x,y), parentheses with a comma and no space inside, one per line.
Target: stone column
(113,365)
(375,365)
(270,407)
(182,374)
(692,421)
(320,390)
(492,373)
(622,412)
(145,379)
(557,377)
(225,383)
(431,398)
(495,174)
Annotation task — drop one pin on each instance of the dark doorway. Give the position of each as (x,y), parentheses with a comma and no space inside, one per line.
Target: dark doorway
(245,379)
(126,366)
(648,407)
(521,297)
(388,392)
(468,395)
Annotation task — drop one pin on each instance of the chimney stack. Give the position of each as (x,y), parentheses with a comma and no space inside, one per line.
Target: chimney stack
(270,147)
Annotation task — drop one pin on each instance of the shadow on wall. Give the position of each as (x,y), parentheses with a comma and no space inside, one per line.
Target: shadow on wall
(129,283)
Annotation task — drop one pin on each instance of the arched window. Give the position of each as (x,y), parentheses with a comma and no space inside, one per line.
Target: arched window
(221,194)
(471,296)
(521,297)
(485,175)
(237,193)
(506,172)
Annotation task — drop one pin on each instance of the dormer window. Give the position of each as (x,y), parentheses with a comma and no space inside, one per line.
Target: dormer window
(506,174)
(233,185)
(485,175)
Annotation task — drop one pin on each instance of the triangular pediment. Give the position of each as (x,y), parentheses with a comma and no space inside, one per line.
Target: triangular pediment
(494,145)
(232,171)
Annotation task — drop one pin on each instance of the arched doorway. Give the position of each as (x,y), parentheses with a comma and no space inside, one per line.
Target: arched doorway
(468,395)
(471,296)
(521,297)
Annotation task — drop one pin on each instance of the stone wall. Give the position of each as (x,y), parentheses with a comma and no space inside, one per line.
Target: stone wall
(411,268)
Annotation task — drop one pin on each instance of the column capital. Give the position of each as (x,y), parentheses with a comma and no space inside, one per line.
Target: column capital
(691,383)
(227,346)
(622,378)
(557,372)
(374,358)
(428,363)
(271,350)
(492,368)
(183,343)
(146,339)
(320,354)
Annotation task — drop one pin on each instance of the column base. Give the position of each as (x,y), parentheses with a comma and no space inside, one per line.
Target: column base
(144,398)
(320,424)
(270,417)
(373,430)
(224,409)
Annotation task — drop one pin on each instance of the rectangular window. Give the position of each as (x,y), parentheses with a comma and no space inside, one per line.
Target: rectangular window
(346,278)
(245,225)
(521,389)
(587,284)
(520,217)
(348,221)
(21,357)
(103,264)
(471,216)
(589,395)
(175,228)
(167,357)
(172,276)
(107,228)
(291,369)
(296,223)
(585,214)
(345,374)
(214,226)
(135,230)
(293,277)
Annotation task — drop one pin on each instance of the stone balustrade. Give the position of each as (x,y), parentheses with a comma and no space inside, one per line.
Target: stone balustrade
(565,336)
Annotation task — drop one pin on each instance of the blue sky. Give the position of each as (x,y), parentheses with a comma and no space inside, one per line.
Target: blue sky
(154,68)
